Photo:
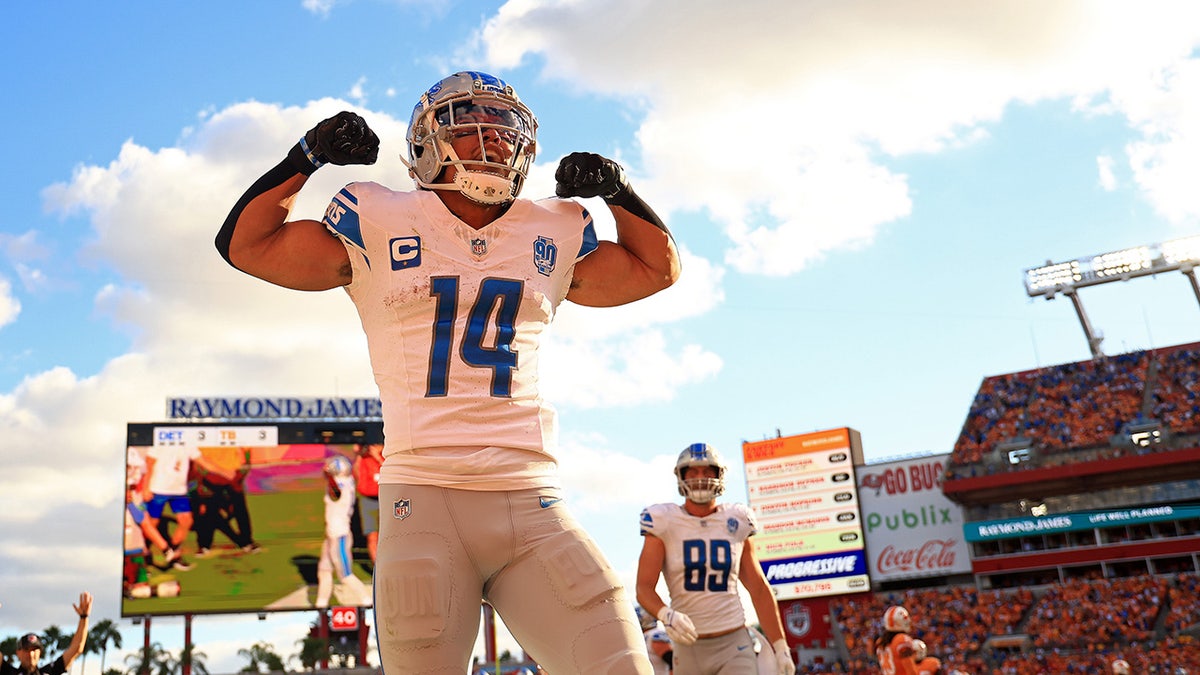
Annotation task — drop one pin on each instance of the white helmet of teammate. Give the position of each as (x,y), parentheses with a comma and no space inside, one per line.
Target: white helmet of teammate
(647,621)
(1120,667)
(700,490)
(920,650)
(896,620)
(338,465)
(471,103)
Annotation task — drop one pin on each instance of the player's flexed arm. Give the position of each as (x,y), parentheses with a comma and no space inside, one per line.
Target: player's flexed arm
(642,261)
(257,237)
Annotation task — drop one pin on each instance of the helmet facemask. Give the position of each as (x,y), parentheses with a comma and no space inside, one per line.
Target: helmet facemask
(472,105)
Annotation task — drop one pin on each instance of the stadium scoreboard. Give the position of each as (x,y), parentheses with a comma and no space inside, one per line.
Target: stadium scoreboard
(276,502)
(803,490)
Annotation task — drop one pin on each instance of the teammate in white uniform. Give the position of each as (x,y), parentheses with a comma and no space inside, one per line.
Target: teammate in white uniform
(454,284)
(658,643)
(703,551)
(167,469)
(337,551)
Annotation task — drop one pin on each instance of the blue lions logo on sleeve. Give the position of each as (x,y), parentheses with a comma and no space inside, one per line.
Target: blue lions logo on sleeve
(732,524)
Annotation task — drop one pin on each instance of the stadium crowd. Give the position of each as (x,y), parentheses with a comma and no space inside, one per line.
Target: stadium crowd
(1080,406)
(1078,626)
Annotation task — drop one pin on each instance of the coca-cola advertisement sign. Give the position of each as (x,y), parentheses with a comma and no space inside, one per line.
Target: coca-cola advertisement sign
(912,529)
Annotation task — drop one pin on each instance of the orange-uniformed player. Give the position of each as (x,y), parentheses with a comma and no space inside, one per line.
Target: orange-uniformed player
(894,649)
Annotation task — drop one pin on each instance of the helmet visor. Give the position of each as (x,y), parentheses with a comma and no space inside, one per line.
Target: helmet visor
(470,114)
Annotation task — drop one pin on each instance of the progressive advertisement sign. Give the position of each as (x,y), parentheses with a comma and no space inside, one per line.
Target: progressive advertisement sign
(912,529)
(803,490)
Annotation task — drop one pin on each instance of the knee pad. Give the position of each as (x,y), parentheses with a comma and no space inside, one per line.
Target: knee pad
(613,647)
(577,570)
(412,599)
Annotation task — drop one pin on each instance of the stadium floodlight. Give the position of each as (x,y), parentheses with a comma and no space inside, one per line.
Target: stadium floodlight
(1069,276)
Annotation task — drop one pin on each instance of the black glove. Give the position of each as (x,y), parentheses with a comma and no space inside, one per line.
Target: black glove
(584,174)
(343,139)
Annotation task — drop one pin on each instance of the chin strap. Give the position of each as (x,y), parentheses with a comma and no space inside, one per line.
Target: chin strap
(485,188)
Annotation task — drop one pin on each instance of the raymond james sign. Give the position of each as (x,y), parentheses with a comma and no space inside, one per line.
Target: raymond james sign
(1084,520)
(257,408)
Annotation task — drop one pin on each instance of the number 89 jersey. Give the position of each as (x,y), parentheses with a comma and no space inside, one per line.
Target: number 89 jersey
(702,560)
(453,315)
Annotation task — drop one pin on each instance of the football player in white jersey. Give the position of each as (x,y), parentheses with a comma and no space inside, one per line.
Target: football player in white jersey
(455,283)
(337,551)
(703,550)
(658,643)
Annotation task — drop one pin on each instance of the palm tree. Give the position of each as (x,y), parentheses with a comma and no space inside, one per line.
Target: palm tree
(90,646)
(194,659)
(56,640)
(313,650)
(152,660)
(261,655)
(8,647)
(103,634)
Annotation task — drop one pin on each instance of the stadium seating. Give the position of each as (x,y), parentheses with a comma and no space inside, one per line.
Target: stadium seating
(1080,406)
(1078,626)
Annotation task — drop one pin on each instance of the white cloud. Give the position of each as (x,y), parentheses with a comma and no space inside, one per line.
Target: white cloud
(321,7)
(600,479)
(1165,161)
(781,119)
(10,306)
(1104,169)
(357,91)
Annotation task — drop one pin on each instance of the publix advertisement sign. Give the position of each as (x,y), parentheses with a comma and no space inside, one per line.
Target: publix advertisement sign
(911,529)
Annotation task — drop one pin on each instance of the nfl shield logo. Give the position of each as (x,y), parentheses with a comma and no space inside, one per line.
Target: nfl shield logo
(402,509)
(478,246)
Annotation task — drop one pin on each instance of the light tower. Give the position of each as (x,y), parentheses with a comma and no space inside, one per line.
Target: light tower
(1068,277)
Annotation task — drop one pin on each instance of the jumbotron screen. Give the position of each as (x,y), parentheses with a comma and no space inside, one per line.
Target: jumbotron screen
(244,508)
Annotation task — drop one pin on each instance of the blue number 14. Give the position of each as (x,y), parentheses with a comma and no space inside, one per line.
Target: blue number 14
(484,314)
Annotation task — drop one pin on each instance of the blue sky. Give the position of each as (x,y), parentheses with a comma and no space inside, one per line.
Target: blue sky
(857,188)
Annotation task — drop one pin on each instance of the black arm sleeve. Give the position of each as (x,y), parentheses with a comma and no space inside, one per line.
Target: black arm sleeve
(629,200)
(297,162)
(669,657)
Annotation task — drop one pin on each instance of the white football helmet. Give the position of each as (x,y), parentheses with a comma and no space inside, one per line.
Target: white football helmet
(338,465)
(1120,667)
(700,490)
(896,620)
(471,103)
(920,650)
(647,621)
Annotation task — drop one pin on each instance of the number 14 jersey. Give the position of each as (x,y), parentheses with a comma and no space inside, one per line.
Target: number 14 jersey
(703,557)
(453,317)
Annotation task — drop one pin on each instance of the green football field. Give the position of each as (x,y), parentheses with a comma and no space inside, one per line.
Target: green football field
(290,528)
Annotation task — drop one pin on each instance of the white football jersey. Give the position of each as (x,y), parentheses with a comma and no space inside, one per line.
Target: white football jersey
(339,511)
(703,556)
(453,317)
(169,475)
(657,635)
